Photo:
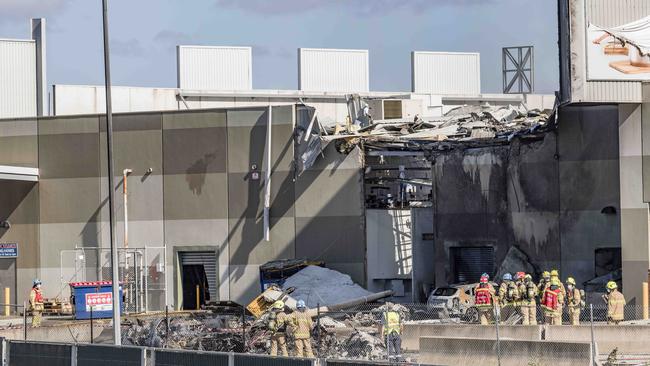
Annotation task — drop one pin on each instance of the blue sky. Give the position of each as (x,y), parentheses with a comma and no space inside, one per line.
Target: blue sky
(144,34)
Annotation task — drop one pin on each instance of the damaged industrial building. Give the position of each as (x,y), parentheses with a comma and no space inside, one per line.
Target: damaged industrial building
(402,191)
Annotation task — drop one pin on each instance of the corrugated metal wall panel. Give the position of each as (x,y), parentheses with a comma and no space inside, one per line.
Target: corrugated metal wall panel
(215,68)
(608,13)
(333,70)
(209,262)
(446,73)
(17,78)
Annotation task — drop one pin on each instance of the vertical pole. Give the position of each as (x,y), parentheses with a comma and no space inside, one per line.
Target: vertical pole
(7,301)
(644,291)
(317,330)
(198,298)
(91,326)
(593,339)
(267,179)
(125,191)
(117,336)
(243,329)
(496,322)
(24,320)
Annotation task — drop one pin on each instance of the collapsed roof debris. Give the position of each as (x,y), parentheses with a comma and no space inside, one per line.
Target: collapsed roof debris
(468,125)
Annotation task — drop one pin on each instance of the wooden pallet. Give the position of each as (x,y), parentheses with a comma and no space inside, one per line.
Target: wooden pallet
(616,50)
(626,68)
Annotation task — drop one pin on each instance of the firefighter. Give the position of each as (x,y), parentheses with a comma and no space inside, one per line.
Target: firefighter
(508,297)
(546,279)
(302,325)
(555,274)
(574,301)
(36,303)
(484,296)
(277,324)
(615,304)
(528,291)
(391,329)
(552,303)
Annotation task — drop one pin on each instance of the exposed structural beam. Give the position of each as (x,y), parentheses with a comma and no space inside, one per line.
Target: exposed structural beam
(38,35)
(267,178)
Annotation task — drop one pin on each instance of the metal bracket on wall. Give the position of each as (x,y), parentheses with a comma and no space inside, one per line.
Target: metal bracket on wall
(518,68)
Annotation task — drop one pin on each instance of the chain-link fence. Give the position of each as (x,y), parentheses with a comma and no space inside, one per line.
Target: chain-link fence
(425,335)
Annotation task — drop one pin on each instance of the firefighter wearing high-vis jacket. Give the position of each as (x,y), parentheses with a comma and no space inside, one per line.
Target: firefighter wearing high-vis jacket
(484,296)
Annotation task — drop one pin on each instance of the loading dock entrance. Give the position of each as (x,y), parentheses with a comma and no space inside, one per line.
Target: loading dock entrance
(468,263)
(198,278)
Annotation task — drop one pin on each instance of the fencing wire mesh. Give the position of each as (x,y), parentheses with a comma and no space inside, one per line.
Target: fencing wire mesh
(429,336)
(141,272)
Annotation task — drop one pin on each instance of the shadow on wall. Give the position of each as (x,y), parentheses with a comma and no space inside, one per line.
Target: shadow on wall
(195,174)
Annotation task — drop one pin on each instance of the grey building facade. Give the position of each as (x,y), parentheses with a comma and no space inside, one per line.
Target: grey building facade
(197,185)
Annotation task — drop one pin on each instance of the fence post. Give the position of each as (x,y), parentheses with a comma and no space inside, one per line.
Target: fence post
(318,330)
(496,322)
(243,329)
(25,320)
(166,325)
(593,339)
(91,326)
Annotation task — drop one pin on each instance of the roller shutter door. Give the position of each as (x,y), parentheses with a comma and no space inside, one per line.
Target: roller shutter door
(468,263)
(209,262)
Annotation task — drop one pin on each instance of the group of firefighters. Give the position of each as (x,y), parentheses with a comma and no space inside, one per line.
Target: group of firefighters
(520,294)
(299,324)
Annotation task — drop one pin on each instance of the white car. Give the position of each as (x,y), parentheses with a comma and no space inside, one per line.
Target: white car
(454,301)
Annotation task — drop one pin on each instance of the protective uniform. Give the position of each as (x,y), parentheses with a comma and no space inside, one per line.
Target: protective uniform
(36,303)
(546,279)
(484,300)
(552,303)
(392,326)
(508,297)
(528,307)
(574,301)
(302,324)
(615,304)
(278,321)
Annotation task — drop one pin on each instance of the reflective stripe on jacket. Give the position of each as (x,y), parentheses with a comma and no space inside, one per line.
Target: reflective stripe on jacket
(302,324)
(616,306)
(392,322)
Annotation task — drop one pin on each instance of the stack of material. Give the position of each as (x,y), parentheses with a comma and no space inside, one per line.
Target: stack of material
(322,286)
(466,124)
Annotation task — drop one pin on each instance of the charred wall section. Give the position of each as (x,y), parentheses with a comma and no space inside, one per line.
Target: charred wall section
(539,203)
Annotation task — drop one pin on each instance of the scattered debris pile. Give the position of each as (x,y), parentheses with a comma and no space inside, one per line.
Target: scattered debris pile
(462,124)
(322,286)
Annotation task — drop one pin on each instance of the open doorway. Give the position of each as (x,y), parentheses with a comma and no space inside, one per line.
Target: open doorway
(198,276)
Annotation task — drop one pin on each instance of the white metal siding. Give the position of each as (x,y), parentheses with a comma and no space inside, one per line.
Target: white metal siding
(333,70)
(17,78)
(446,73)
(215,68)
(609,13)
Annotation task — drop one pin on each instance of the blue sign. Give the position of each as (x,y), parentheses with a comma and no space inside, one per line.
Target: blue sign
(8,250)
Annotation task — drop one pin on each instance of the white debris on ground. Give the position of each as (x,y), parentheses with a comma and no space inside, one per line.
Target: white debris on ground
(322,286)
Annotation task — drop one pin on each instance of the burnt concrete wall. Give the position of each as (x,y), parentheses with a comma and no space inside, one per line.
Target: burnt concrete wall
(543,197)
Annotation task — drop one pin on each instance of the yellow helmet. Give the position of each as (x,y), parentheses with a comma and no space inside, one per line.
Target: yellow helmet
(528,277)
(278,305)
(611,285)
(555,273)
(546,274)
(555,281)
(571,281)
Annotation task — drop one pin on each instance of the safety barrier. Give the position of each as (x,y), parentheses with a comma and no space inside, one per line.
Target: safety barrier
(91,355)
(37,354)
(194,358)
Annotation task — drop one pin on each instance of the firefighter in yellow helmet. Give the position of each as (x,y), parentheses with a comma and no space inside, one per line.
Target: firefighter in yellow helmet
(574,301)
(277,324)
(485,300)
(615,304)
(552,303)
(546,279)
(528,306)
